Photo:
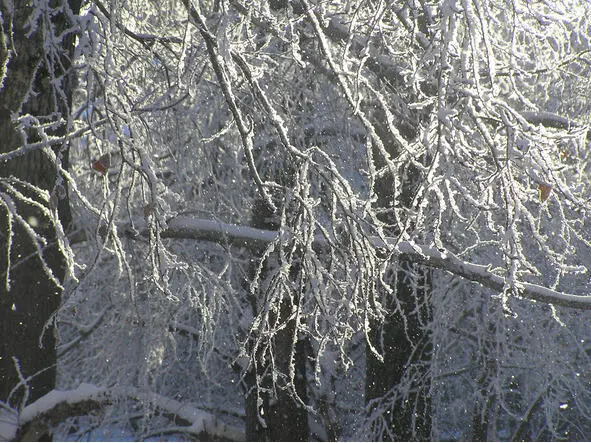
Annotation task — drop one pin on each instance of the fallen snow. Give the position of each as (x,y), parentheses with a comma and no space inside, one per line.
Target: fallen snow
(199,420)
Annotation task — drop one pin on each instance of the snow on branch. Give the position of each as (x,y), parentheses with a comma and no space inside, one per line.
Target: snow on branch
(195,421)
(196,228)
(58,405)
(217,231)
(550,120)
(449,262)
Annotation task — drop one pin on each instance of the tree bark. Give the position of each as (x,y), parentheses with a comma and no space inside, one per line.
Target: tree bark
(280,417)
(403,339)
(28,302)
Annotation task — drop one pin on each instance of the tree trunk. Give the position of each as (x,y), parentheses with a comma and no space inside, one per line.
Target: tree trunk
(28,302)
(405,346)
(280,417)
(402,339)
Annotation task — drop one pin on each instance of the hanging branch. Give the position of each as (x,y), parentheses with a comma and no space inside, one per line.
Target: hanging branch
(194,228)
(220,70)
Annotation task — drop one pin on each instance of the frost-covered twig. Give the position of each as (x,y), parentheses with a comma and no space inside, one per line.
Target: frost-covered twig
(84,332)
(221,71)
(188,227)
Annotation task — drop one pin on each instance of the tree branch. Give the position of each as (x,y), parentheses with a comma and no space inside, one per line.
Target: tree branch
(550,120)
(57,405)
(195,228)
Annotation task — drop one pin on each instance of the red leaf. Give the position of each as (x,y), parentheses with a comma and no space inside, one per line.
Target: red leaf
(102,164)
(98,166)
(544,191)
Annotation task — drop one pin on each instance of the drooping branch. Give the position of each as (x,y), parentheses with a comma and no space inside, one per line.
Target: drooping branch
(221,71)
(195,228)
(57,405)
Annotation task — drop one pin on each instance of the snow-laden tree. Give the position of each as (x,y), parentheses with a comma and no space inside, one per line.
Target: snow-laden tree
(262,191)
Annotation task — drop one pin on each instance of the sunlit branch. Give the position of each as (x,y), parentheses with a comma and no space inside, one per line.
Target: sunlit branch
(194,228)
(220,70)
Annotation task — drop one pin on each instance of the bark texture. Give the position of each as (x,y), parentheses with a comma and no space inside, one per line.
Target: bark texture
(403,339)
(280,417)
(37,83)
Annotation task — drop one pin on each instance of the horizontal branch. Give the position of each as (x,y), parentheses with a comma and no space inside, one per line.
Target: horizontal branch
(57,405)
(196,228)
(550,120)
(451,263)
(216,231)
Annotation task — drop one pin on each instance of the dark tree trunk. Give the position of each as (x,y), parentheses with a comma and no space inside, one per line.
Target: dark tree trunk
(485,398)
(280,417)
(27,336)
(283,417)
(405,346)
(480,421)
(403,339)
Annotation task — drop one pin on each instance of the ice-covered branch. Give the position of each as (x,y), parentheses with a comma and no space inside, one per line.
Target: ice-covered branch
(550,120)
(221,70)
(84,332)
(195,228)
(58,405)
